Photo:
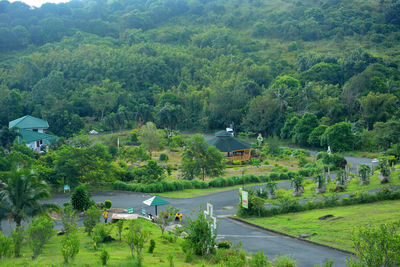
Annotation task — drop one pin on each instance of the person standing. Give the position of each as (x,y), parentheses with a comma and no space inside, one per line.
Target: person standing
(105,215)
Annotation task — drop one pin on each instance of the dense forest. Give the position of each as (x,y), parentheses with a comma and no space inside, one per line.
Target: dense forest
(319,72)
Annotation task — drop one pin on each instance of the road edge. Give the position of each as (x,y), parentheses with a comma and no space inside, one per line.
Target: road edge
(287,235)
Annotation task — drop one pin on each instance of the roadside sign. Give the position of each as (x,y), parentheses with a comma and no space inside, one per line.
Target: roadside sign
(143,212)
(245,203)
(130,211)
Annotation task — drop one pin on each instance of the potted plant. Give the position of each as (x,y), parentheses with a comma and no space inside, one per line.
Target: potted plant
(297,183)
(320,181)
(384,174)
(340,181)
(363,173)
(271,187)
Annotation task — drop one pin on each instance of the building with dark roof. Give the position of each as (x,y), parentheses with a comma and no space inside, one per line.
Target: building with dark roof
(231,147)
(32,132)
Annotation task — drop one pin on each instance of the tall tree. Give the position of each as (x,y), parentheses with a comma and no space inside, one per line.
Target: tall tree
(149,138)
(339,137)
(262,116)
(304,127)
(201,159)
(377,107)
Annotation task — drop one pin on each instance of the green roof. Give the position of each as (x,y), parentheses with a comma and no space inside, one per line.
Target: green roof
(155,201)
(228,143)
(31,136)
(29,122)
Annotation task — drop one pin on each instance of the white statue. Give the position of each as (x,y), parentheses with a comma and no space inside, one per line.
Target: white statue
(260,139)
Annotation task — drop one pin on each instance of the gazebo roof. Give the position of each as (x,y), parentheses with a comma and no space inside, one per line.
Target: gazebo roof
(227,143)
(155,201)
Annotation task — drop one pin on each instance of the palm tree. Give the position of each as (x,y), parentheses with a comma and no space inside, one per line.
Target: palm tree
(21,194)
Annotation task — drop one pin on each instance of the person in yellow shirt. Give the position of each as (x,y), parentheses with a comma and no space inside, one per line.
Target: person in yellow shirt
(105,215)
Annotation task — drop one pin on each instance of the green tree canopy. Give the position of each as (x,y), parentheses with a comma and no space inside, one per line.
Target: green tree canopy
(199,159)
(339,137)
(22,195)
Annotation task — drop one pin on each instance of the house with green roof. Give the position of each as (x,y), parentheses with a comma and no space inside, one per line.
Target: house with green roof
(233,148)
(32,132)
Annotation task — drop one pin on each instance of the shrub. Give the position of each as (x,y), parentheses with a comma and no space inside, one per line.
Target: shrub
(225,244)
(302,161)
(282,193)
(235,256)
(283,176)
(120,227)
(80,198)
(170,258)
(164,157)
(39,232)
(292,174)
(376,245)
(274,176)
(284,261)
(100,233)
(69,219)
(70,246)
(189,255)
(271,187)
(108,204)
(259,260)
(200,236)
(17,236)
(152,245)
(287,205)
(330,201)
(92,217)
(6,246)
(104,257)
(335,161)
(135,237)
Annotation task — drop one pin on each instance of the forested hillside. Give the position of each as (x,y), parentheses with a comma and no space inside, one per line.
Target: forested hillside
(318,72)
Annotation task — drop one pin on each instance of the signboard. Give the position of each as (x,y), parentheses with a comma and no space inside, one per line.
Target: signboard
(130,211)
(245,201)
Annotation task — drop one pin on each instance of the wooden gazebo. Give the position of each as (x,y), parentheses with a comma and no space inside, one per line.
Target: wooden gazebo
(231,147)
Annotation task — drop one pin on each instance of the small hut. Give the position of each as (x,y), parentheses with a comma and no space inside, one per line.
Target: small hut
(231,147)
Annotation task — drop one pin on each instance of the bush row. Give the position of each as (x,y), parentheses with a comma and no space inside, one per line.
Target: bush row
(168,186)
(159,187)
(287,205)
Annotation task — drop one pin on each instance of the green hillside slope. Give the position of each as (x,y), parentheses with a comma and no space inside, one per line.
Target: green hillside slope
(263,66)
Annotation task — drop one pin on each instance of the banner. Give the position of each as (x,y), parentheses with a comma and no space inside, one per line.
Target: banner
(245,203)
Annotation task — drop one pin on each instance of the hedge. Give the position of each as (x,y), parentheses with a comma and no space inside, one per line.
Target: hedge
(169,186)
(287,205)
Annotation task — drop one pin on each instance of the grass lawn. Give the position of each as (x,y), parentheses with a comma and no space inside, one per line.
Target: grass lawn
(201,192)
(335,232)
(119,252)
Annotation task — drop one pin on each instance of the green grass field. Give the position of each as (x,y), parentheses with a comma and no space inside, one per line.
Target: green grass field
(201,192)
(119,252)
(335,232)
